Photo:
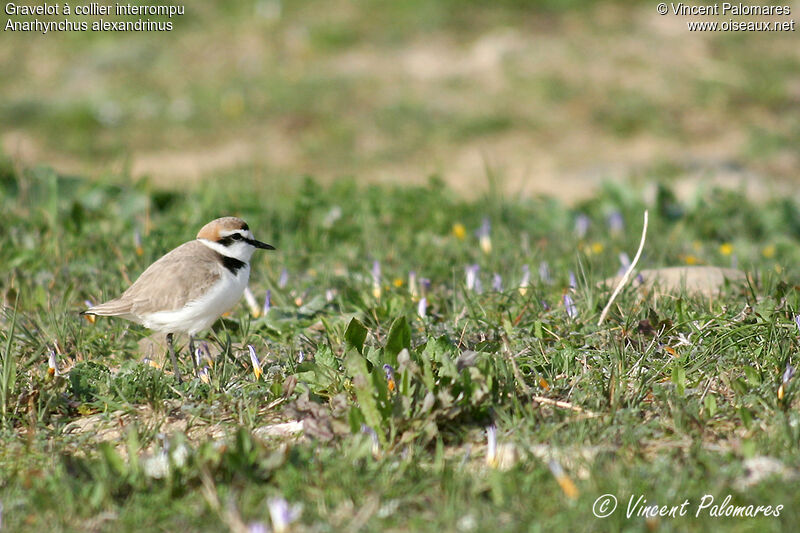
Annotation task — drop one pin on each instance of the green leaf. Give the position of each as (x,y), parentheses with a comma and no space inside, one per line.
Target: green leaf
(113,460)
(133,448)
(399,338)
(537,329)
(362,383)
(746,416)
(355,418)
(325,356)
(753,375)
(711,405)
(8,376)
(679,378)
(356,334)
(740,386)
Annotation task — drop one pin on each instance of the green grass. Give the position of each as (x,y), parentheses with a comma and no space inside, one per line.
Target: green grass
(675,393)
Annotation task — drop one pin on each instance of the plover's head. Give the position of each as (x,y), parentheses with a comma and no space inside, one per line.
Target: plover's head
(232,237)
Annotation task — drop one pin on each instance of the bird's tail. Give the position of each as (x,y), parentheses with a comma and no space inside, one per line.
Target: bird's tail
(114,307)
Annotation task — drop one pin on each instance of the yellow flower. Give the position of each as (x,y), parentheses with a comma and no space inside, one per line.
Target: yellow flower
(768,251)
(459,231)
(397,282)
(726,248)
(778,269)
(597,247)
(691,260)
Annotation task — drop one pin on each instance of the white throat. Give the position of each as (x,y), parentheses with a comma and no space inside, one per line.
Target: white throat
(238,250)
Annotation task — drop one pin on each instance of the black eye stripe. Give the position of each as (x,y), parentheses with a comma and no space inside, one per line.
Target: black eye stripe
(230,239)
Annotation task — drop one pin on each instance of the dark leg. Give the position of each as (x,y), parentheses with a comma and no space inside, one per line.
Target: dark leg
(191,352)
(174,359)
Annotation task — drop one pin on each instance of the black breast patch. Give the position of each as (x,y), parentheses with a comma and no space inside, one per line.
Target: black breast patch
(231,263)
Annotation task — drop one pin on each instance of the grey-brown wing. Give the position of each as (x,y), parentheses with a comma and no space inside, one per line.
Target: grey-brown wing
(179,277)
(115,307)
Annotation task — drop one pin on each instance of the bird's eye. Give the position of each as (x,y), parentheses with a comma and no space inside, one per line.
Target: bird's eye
(236,236)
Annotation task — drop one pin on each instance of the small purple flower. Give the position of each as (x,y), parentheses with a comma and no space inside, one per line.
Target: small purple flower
(425,285)
(484,236)
(137,242)
(376,445)
(301,356)
(624,263)
(569,305)
(250,298)
(388,370)
(376,272)
(497,283)
(491,445)
(545,305)
(555,468)
(198,356)
(283,280)
(526,280)
(788,373)
(422,307)
(573,282)
(254,361)
(257,527)
(205,351)
(281,514)
(473,279)
(90,318)
(267,302)
(797,321)
(616,223)
(485,229)
(581,225)
(376,279)
(544,273)
(52,363)
(412,283)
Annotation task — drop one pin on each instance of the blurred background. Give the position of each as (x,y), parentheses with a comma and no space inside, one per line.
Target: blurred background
(547,97)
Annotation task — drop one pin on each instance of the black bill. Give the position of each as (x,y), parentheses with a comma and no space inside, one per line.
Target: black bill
(259,244)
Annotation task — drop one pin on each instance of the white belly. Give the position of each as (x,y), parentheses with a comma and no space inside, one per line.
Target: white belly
(201,313)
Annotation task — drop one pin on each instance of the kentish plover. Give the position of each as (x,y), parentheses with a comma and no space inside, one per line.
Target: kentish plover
(189,288)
